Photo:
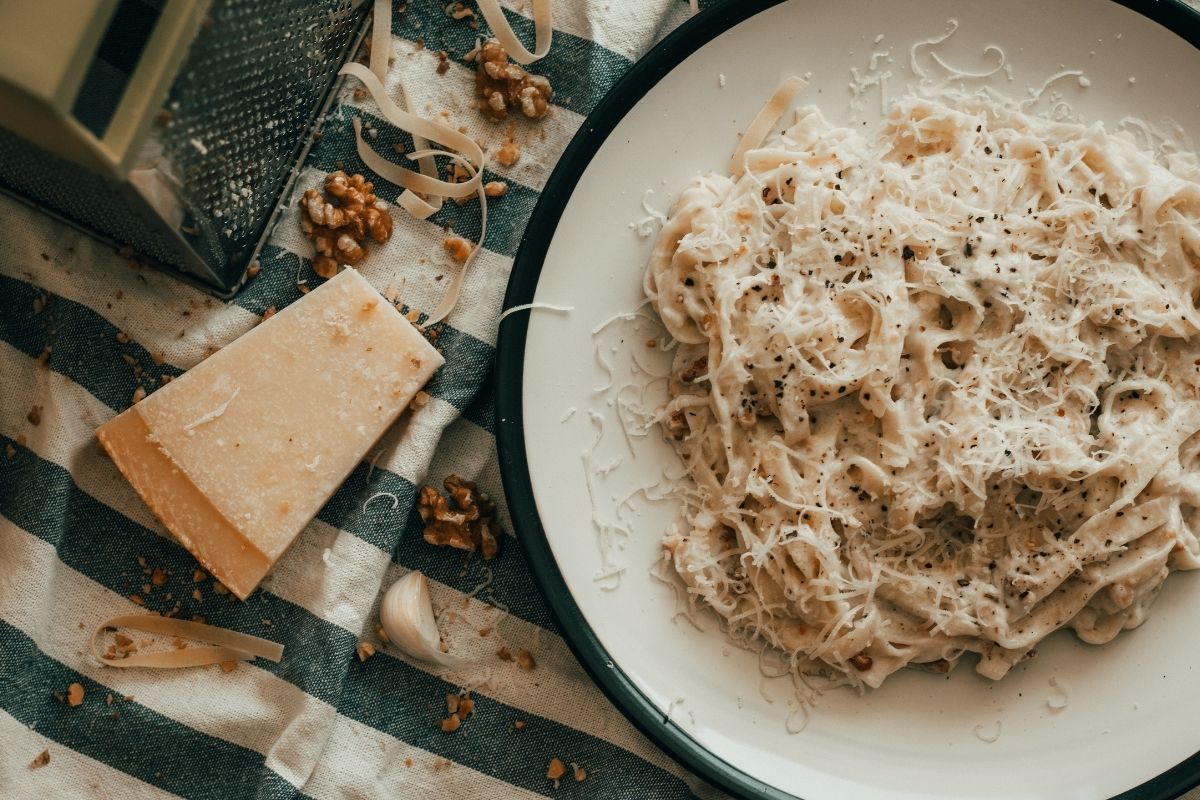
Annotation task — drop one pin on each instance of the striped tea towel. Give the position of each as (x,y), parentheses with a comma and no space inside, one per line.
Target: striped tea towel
(81,330)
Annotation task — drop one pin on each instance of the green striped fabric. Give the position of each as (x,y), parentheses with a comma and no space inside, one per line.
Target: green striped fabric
(80,331)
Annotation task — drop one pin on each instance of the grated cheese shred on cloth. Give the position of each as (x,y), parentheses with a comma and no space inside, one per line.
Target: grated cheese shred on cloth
(938,384)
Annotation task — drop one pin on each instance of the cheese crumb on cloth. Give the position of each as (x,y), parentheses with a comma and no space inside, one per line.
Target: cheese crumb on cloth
(85,332)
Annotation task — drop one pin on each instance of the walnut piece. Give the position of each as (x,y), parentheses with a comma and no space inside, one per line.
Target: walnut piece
(509,152)
(465,521)
(502,85)
(340,223)
(458,248)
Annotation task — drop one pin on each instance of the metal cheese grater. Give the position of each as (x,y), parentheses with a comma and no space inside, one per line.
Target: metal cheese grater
(174,127)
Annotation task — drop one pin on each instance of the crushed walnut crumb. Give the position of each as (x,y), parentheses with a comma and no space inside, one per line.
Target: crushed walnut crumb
(340,221)
(139,394)
(525,659)
(503,654)
(495,188)
(556,770)
(35,415)
(459,11)
(466,521)
(408,762)
(443,65)
(458,248)
(509,152)
(253,270)
(502,85)
(268,312)
(41,760)
(228,666)
(519,725)
(451,723)
(75,695)
(364,650)
(578,772)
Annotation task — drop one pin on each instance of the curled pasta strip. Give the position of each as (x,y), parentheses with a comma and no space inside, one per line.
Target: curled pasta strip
(424,191)
(222,643)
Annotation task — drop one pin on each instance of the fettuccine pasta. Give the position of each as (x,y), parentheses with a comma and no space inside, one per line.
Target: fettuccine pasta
(937,384)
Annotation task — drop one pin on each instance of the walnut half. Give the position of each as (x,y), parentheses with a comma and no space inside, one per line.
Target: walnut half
(339,221)
(503,85)
(465,520)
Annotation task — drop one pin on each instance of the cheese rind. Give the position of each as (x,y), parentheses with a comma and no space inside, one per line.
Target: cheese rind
(237,455)
(179,505)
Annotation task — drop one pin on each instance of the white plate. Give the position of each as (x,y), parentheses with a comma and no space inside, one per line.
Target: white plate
(1132,704)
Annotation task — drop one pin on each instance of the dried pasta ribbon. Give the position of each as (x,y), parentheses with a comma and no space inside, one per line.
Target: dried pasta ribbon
(418,126)
(223,644)
(381,38)
(424,191)
(543,30)
(770,113)
(469,154)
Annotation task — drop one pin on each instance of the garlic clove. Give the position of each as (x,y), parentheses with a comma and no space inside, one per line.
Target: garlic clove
(406,614)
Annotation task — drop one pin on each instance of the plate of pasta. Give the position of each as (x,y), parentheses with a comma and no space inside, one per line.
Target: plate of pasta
(850,420)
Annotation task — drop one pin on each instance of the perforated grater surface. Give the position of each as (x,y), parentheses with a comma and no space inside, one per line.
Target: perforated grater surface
(196,189)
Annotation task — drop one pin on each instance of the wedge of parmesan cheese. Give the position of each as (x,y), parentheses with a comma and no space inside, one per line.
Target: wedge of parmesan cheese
(237,456)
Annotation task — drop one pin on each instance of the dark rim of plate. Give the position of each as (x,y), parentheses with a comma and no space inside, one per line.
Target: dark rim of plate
(710,23)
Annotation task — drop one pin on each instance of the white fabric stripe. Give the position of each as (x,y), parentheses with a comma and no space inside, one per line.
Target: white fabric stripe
(247,706)
(338,591)
(360,762)
(412,260)
(541,141)
(69,774)
(153,308)
(623,28)
(408,450)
